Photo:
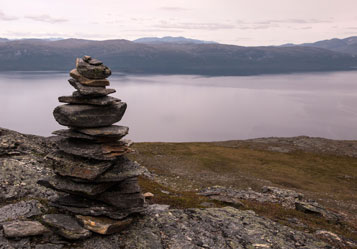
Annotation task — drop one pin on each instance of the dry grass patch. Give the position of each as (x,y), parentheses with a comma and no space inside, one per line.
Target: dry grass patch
(184,168)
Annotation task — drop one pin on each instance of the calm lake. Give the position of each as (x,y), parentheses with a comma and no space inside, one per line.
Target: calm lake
(194,108)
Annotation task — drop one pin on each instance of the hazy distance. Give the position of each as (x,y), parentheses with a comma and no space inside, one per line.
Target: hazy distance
(238,22)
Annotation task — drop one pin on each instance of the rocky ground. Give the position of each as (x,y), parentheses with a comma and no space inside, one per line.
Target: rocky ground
(249,211)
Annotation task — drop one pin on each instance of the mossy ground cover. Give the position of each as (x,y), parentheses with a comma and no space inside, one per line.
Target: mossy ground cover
(184,168)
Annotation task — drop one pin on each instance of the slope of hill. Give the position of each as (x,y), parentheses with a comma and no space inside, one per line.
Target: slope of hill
(347,45)
(169,58)
(314,173)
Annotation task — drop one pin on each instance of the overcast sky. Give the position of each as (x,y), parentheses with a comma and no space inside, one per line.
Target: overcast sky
(241,22)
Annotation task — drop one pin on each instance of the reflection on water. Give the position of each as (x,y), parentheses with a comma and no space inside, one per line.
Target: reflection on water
(192,108)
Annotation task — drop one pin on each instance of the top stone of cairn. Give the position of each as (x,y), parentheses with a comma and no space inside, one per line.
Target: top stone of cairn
(92,68)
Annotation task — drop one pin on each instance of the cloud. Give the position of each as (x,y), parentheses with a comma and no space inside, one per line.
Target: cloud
(191,25)
(259,26)
(238,39)
(4,17)
(292,20)
(151,30)
(307,27)
(276,23)
(46,18)
(299,27)
(238,24)
(173,9)
(25,34)
(284,21)
(79,35)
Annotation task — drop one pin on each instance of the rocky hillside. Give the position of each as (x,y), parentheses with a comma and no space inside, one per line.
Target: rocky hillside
(254,206)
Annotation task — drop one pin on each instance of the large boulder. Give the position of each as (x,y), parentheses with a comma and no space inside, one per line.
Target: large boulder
(88,116)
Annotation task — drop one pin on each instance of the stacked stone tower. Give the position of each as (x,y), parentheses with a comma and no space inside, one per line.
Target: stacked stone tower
(90,164)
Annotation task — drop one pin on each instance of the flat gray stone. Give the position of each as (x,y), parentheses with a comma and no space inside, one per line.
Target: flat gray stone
(308,208)
(77,167)
(22,209)
(16,229)
(90,91)
(121,170)
(316,209)
(66,226)
(93,69)
(106,151)
(269,194)
(84,206)
(114,131)
(106,100)
(66,185)
(73,134)
(88,116)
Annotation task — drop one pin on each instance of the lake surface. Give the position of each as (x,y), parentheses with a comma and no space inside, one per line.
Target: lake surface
(193,108)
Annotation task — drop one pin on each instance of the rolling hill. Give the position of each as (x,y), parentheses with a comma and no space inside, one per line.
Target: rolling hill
(170,58)
(347,45)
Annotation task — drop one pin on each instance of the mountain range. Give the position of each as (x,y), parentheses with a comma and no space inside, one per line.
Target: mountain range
(178,56)
(347,45)
(170,39)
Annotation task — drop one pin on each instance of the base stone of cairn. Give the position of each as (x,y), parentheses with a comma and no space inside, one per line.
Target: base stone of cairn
(100,184)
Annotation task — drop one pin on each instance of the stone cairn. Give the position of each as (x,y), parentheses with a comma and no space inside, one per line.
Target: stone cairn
(100,184)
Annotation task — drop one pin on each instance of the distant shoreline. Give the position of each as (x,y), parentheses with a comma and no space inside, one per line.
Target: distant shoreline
(118,73)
